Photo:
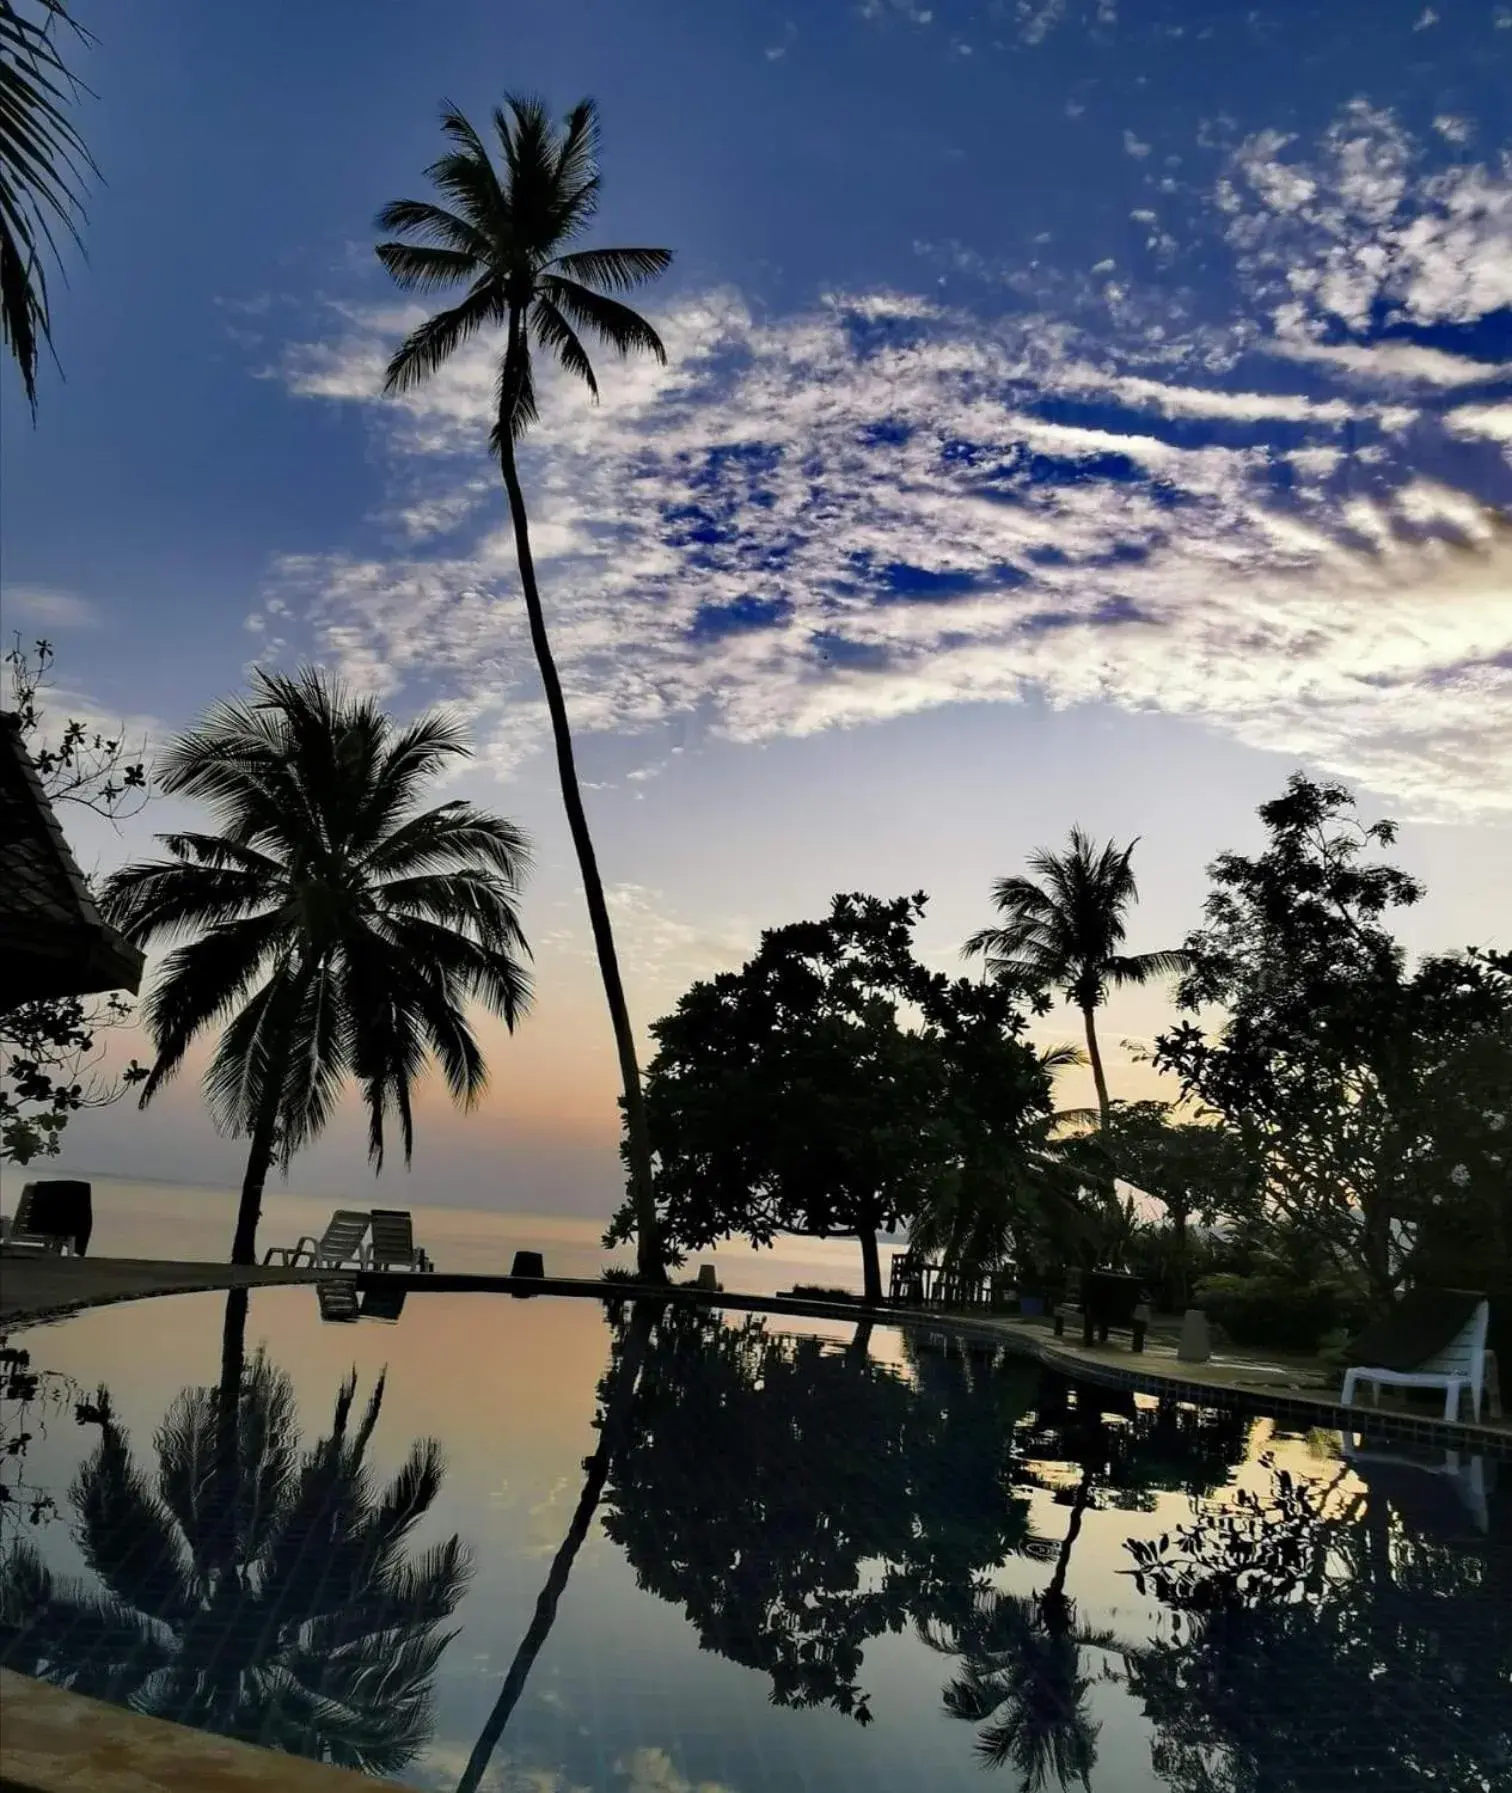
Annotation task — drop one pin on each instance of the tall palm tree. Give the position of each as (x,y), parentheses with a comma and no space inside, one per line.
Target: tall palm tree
(338,928)
(618,1391)
(1068,929)
(43,164)
(508,235)
(267,1596)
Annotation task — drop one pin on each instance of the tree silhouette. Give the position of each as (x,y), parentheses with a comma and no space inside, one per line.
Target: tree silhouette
(250,1589)
(797,1500)
(340,930)
(509,232)
(1066,926)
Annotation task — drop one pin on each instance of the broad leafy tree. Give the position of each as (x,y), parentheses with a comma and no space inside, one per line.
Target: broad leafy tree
(337,929)
(797,1499)
(509,231)
(1064,927)
(1373,1099)
(833,1085)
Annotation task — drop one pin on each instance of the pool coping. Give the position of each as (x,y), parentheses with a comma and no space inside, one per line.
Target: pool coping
(57,1741)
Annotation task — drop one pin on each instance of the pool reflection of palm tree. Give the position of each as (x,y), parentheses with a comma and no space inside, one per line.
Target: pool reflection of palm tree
(620,1396)
(255,1591)
(1023,1678)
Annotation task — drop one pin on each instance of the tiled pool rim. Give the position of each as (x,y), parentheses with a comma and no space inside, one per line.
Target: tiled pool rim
(55,1741)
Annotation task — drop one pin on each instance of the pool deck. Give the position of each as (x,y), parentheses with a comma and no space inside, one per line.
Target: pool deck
(36,1287)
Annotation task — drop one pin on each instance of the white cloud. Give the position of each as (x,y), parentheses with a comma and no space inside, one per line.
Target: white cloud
(1491,421)
(654,1771)
(1134,147)
(45,607)
(1405,362)
(881,506)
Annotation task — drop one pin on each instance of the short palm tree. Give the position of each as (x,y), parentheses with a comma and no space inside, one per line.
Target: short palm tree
(271,1599)
(339,929)
(508,235)
(1067,929)
(43,163)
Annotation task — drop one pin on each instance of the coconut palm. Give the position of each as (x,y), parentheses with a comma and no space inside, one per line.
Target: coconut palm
(1068,929)
(43,164)
(267,1595)
(509,234)
(338,929)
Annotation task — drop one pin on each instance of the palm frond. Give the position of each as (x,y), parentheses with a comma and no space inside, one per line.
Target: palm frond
(555,334)
(514,398)
(423,268)
(622,328)
(1144,968)
(429,345)
(198,983)
(43,168)
(613,270)
(430,223)
(452,834)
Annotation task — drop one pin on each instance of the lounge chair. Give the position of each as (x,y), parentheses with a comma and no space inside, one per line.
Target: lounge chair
(394,1246)
(55,1216)
(1432,1338)
(338,1302)
(339,1247)
(1433,1491)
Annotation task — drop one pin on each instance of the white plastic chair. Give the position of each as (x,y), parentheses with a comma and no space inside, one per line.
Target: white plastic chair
(340,1246)
(1460,1366)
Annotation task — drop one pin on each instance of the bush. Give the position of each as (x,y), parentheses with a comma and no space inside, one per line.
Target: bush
(808,1291)
(1274,1311)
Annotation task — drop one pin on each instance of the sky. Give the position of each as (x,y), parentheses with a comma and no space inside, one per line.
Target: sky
(1075,412)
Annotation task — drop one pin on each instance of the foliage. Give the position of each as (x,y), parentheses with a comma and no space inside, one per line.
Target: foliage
(791,1095)
(1271,1309)
(210,1607)
(797,1500)
(338,929)
(29,1398)
(1402,1644)
(43,165)
(51,1059)
(510,233)
(1068,929)
(1343,1074)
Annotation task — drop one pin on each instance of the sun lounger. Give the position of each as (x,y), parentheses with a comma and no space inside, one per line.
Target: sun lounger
(339,1247)
(338,1302)
(56,1216)
(1432,1338)
(394,1246)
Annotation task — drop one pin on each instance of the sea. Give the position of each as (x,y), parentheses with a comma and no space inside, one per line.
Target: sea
(192,1224)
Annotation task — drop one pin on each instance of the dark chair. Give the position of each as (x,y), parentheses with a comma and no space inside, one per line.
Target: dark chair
(53,1216)
(1109,1301)
(528,1263)
(338,1301)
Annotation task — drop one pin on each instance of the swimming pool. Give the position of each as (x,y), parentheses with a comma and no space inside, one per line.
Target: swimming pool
(692,1553)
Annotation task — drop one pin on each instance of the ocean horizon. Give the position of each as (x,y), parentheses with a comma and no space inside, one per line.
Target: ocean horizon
(190,1222)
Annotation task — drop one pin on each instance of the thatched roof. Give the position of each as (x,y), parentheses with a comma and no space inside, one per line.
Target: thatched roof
(53,940)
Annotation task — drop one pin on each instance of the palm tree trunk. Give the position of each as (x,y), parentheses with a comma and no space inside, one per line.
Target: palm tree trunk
(637,1138)
(228,1425)
(1104,1106)
(643,1317)
(259,1162)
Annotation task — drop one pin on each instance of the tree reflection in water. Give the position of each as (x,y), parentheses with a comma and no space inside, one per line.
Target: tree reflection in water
(251,1589)
(1324,1639)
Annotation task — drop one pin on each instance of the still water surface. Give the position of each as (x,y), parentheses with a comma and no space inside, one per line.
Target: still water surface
(676,1553)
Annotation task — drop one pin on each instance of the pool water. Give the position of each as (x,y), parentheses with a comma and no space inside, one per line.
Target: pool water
(531,1546)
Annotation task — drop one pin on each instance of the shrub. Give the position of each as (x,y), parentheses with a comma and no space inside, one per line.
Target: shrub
(1274,1311)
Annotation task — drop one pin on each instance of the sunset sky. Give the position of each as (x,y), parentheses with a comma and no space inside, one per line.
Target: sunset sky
(1077,411)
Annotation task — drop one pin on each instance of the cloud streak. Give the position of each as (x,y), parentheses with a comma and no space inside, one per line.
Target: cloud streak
(883,505)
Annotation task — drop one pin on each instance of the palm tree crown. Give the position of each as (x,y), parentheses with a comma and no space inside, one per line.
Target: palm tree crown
(508,237)
(338,928)
(1065,925)
(43,165)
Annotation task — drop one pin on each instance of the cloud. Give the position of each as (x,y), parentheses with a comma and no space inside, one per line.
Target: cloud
(654,1771)
(45,607)
(882,505)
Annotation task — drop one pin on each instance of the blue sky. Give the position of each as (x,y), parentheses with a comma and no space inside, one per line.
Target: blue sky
(1075,412)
